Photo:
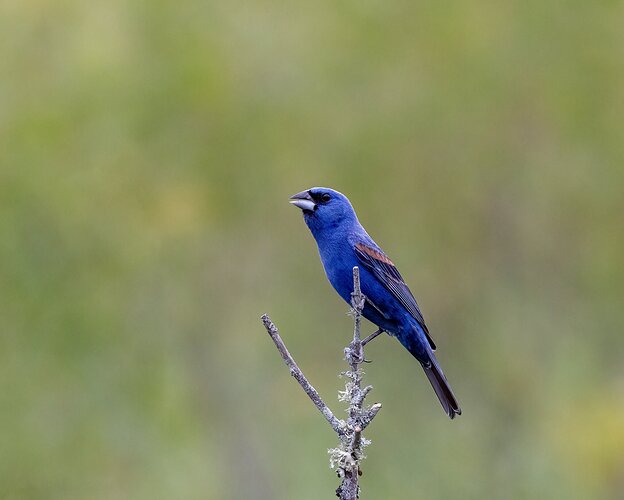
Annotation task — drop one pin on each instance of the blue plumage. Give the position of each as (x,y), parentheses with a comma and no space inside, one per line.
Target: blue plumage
(343,243)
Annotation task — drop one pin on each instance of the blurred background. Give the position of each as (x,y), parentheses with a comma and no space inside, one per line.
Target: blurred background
(147,152)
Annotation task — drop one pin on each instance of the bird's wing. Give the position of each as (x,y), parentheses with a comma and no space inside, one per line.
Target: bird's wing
(384,270)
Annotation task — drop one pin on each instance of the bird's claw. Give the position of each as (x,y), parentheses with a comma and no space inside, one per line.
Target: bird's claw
(355,354)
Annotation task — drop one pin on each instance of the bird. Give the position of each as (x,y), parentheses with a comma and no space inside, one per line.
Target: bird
(343,243)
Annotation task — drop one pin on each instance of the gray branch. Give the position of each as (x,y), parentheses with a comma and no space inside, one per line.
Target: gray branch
(295,371)
(346,458)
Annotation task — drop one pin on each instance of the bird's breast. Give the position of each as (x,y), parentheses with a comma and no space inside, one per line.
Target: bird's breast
(338,261)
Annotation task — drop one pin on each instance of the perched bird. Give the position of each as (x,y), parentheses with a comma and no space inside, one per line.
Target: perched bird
(343,243)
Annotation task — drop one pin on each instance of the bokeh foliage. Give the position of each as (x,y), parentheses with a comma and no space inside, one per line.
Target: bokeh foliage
(147,150)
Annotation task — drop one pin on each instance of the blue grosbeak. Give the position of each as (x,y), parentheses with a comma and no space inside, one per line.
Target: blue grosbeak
(343,243)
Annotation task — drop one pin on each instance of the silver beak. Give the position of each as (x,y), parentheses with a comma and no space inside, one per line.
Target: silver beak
(303,200)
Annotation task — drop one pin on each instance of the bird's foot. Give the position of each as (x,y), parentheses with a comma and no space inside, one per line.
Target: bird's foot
(354,353)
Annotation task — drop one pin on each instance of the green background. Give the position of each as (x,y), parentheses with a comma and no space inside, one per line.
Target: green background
(147,151)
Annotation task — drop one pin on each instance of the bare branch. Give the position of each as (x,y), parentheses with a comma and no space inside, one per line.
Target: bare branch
(357,438)
(295,371)
(370,414)
(346,458)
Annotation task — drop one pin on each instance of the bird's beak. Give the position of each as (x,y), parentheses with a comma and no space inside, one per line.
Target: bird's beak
(303,200)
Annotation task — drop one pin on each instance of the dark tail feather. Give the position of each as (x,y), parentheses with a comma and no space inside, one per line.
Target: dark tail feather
(441,387)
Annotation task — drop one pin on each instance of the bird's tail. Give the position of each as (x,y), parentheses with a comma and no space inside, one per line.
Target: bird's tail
(441,386)
(417,344)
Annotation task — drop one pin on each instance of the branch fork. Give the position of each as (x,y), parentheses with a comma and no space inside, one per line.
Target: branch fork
(347,457)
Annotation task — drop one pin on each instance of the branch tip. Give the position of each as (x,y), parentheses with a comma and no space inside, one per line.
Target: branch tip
(336,424)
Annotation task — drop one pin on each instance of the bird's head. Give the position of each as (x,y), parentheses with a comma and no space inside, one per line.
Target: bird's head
(324,208)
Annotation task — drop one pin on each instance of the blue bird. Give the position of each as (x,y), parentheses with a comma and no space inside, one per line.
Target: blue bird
(343,243)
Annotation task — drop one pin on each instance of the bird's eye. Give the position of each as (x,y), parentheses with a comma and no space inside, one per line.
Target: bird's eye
(325,197)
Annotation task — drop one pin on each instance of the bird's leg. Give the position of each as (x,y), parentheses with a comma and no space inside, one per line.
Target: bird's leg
(372,336)
(366,341)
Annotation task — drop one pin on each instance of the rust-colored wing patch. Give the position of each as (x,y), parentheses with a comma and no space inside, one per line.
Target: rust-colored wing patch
(388,275)
(374,253)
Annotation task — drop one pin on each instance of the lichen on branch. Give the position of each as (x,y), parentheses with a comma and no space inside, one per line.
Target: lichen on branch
(347,457)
